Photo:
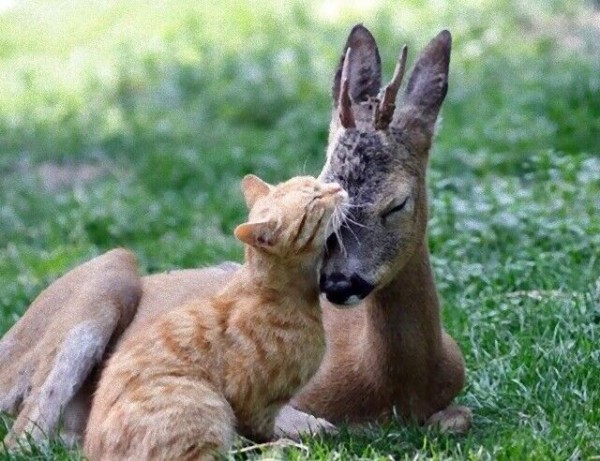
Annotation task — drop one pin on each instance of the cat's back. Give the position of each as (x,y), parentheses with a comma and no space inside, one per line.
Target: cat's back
(179,341)
(140,380)
(173,289)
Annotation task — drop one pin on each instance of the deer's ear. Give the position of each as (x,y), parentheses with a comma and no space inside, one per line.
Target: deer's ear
(254,188)
(256,234)
(426,88)
(364,69)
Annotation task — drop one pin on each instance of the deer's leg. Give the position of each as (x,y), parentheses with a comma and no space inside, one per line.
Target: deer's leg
(64,334)
(77,411)
(425,394)
(454,418)
(448,382)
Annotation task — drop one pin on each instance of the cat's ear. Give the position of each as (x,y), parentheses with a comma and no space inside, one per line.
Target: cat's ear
(256,234)
(254,188)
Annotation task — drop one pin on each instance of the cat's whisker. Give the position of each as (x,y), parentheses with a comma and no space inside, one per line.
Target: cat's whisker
(352,221)
(343,214)
(346,213)
(354,235)
(334,223)
(356,205)
(346,220)
(341,243)
(338,221)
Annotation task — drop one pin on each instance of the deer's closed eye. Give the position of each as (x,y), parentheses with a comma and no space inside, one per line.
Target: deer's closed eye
(395,209)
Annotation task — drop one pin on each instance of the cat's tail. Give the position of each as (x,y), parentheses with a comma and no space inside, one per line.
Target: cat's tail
(185,419)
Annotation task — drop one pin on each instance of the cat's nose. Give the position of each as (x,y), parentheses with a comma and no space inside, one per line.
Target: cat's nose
(338,193)
(344,291)
(333,188)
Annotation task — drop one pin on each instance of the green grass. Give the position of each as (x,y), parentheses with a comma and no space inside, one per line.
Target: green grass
(173,103)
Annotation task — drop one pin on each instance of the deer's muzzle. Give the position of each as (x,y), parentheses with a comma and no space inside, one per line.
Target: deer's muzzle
(343,290)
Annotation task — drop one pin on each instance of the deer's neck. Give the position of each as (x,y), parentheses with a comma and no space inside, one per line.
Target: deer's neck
(403,320)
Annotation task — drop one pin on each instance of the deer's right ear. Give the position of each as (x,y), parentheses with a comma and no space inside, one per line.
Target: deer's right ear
(254,188)
(364,68)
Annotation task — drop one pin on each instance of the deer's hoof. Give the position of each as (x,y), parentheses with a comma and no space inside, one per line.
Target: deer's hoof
(454,419)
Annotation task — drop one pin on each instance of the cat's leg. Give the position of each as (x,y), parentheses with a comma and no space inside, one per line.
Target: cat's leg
(292,423)
(173,418)
(51,350)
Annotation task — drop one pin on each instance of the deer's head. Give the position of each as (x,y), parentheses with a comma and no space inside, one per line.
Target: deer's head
(378,153)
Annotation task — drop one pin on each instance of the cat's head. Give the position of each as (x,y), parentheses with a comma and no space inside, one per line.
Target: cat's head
(292,219)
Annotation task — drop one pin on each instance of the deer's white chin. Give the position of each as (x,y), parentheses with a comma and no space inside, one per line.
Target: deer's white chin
(352,300)
(348,303)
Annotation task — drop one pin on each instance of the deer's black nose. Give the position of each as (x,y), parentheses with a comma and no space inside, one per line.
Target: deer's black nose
(342,290)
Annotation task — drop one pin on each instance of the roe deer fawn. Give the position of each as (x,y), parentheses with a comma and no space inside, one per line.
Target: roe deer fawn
(391,351)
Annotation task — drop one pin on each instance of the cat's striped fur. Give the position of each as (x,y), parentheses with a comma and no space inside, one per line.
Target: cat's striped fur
(201,372)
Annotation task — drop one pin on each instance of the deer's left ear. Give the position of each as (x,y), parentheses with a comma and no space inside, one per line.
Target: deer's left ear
(426,89)
(254,188)
(256,234)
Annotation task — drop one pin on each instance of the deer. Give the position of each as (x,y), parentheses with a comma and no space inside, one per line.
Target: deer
(387,353)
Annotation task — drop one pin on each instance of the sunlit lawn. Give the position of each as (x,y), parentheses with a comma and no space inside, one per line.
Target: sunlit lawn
(131,123)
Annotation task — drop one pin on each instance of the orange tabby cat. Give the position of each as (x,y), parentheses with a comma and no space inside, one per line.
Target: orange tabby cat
(181,389)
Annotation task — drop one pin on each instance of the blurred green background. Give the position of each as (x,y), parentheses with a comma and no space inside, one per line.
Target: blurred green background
(131,123)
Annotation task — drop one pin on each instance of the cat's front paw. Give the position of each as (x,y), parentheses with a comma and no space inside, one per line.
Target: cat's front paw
(456,419)
(294,423)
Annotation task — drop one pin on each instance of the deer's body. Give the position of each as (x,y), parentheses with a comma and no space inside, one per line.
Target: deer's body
(382,359)
(386,352)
